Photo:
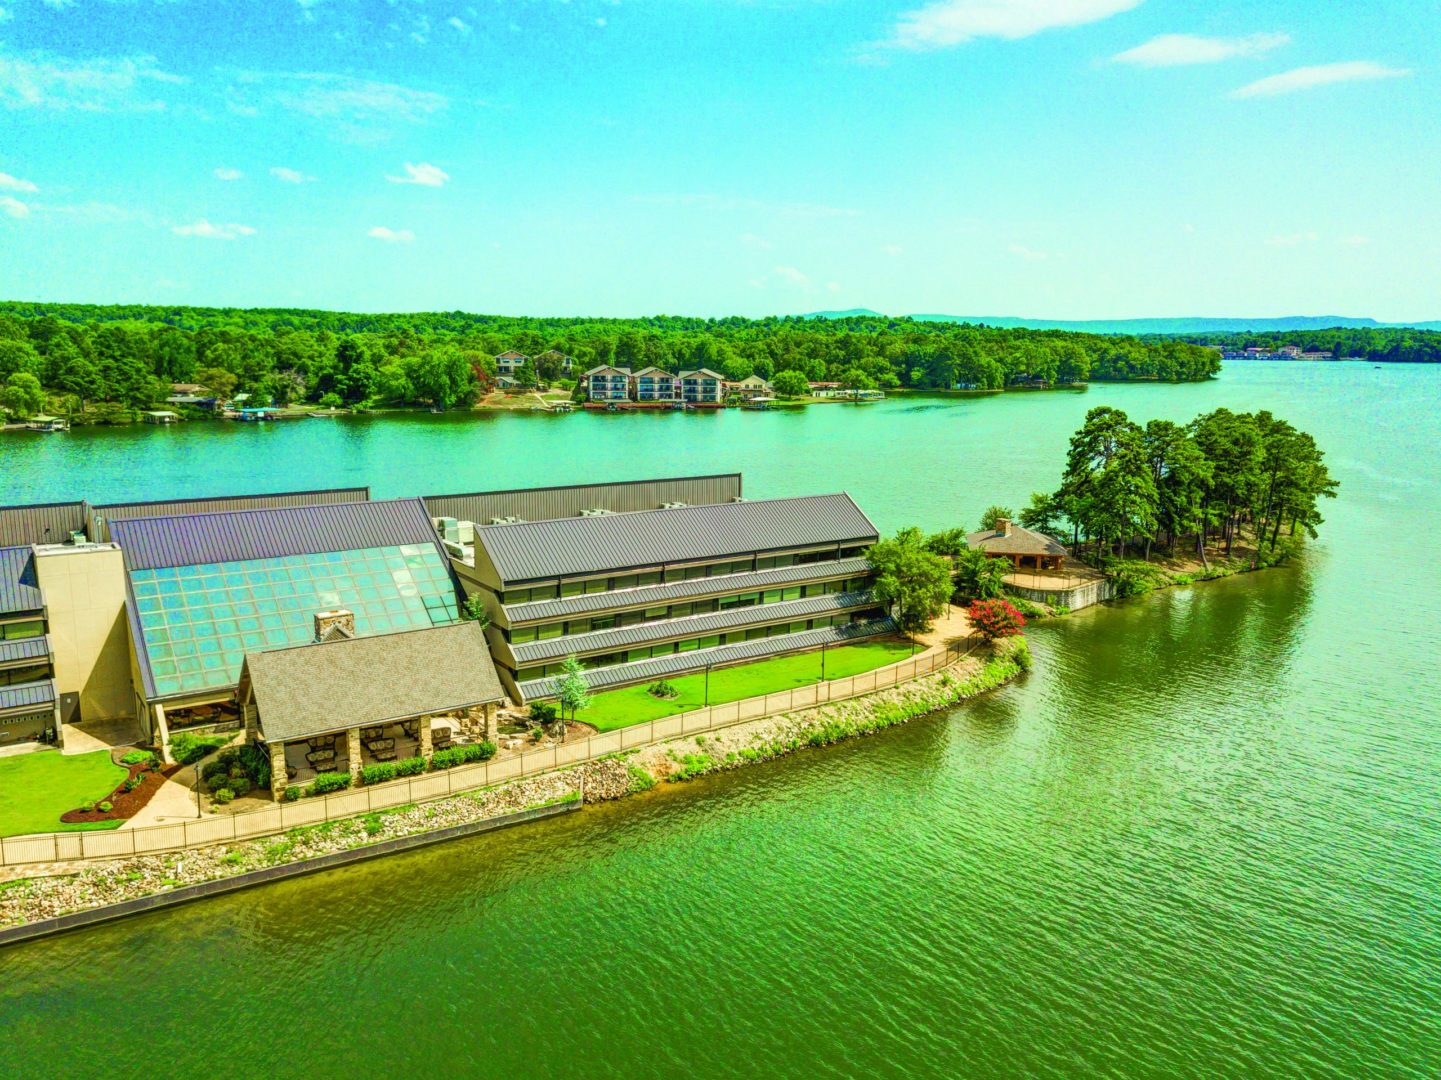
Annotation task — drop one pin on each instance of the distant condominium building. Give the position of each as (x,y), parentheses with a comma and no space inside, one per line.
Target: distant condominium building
(702,387)
(640,595)
(608,384)
(654,386)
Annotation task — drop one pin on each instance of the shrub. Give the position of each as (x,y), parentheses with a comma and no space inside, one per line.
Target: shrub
(996,619)
(256,763)
(189,748)
(138,757)
(444,759)
(292,794)
(464,754)
(105,807)
(327,782)
(543,712)
(372,824)
(378,773)
(222,796)
(88,805)
(640,779)
(132,783)
(663,689)
(410,766)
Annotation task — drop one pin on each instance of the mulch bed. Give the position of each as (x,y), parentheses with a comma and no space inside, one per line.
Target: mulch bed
(125,804)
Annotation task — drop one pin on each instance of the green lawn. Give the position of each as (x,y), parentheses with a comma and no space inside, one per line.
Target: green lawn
(611,709)
(35,789)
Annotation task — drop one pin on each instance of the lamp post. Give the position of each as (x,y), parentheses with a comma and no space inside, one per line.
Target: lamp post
(823,661)
(198,811)
(707,686)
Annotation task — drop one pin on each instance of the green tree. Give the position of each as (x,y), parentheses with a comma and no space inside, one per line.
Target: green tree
(978,576)
(994,514)
(790,384)
(22,395)
(573,690)
(473,610)
(951,542)
(218,381)
(913,583)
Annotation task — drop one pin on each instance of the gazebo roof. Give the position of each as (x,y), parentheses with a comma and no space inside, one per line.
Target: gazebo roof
(1015,540)
(363,682)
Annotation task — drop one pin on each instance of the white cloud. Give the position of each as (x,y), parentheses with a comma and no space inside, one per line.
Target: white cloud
(14,183)
(103,84)
(290,176)
(224,173)
(785,275)
(895,251)
(1029,254)
(392,236)
(1308,78)
(759,243)
(424,174)
(1292,239)
(13,206)
(460,26)
(5,15)
(833,286)
(1175,50)
(1356,240)
(205,230)
(945,23)
(324,96)
(600,21)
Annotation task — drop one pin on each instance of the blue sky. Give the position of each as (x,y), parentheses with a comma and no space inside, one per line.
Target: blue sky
(1059,158)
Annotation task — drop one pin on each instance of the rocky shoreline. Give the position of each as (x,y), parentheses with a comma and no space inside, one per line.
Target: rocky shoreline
(62,888)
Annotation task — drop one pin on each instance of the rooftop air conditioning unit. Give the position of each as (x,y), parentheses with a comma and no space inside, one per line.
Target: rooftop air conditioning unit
(598,511)
(456,550)
(674,506)
(736,498)
(507,521)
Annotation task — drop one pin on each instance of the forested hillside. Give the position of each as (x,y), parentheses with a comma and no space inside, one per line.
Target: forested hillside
(130,354)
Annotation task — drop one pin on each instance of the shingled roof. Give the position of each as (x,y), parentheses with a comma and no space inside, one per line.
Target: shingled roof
(1015,541)
(539,550)
(363,682)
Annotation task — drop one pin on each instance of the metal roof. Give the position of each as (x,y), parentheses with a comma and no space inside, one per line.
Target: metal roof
(624,637)
(40,523)
(27,695)
(568,500)
(538,550)
(720,656)
(32,648)
(19,590)
(239,535)
(650,595)
(366,681)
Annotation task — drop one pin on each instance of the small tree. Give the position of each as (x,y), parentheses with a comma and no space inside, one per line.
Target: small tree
(994,514)
(790,384)
(22,394)
(950,542)
(978,576)
(913,582)
(573,691)
(473,610)
(996,619)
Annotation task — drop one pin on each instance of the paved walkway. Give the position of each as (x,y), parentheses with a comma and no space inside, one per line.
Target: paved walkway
(175,801)
(99,735)
(952,628)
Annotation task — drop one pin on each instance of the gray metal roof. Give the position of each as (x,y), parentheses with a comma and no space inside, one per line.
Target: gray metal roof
(650,595)
(32,648)
(539,550)
(98,516)
(238,535)
(625,637)
(27,695)
(568,500)
(1019,541)
(362,682)
(40,523)
(19,590)
(720,656)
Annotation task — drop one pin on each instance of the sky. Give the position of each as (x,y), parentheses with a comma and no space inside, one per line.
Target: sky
(1044,158)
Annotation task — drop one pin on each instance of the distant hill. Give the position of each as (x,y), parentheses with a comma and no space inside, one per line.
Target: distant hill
(849,313)
(1193,325)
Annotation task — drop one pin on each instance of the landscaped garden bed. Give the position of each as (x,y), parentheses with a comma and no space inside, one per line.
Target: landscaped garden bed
(36,788)
(143,778)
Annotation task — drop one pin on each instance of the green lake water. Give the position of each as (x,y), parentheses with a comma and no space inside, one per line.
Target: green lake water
(1201,839)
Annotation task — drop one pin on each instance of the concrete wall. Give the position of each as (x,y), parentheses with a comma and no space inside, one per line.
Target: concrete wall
(84,591)
(1080,597)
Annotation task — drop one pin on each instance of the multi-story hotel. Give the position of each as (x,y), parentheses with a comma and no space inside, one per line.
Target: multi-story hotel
(604,384)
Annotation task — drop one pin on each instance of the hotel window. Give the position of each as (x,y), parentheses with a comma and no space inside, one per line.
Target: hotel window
(794,592)
(16,630)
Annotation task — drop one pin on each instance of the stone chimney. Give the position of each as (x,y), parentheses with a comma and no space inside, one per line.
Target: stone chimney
(1003,526)
(334,625)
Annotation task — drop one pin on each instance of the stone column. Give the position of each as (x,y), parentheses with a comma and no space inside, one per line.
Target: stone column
(426,748)
(278,780)
(352,746)
(161,735)
(492,729)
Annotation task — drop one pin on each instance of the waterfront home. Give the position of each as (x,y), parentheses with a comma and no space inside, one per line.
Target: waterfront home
(1319,354)
(825,389)
(1291,351)
(608,384)
(343,702)
(203,590)
(159,416)
(749,388)
(509,362)
(555,356)
(29,704)
(654,386)
(1020,546)
(640,595)
(702,387)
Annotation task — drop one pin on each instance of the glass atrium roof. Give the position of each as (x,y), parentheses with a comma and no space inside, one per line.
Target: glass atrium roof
(198,622)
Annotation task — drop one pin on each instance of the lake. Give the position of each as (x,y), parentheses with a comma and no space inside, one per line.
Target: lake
(1202,838)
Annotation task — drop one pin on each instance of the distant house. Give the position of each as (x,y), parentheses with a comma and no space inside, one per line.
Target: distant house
(555,356)
(702,387)
(1023,548)
(608,384)
(749,388)
(656,386)
(825,389)
(1289,350)
(506,382)
(510,361)
(1316,356)
(1256,352)
(159,416)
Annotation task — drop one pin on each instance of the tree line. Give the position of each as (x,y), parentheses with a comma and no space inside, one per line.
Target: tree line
(1401,345)
(1127,487)
(130,354)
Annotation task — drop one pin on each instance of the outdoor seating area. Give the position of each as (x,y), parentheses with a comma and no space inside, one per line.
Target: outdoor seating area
(385,742)
(219,713)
